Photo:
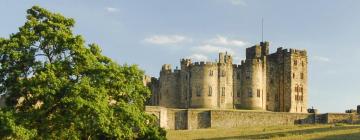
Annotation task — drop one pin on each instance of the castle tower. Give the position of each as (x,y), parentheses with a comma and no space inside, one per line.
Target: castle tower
(168,87)
(203,84)
(225,81)
(237,85)
(184,87)
(287,70)
(254,77)
(298,71)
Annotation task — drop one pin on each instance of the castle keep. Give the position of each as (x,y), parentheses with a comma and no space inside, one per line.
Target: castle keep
(273,82)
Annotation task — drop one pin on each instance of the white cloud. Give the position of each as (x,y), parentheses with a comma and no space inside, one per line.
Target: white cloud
(112,9)
(198,57)
(238,2)
(322,59)
(167,39)
(207,48)
(224,41)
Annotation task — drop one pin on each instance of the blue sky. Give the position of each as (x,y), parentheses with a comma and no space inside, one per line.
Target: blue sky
(152,33)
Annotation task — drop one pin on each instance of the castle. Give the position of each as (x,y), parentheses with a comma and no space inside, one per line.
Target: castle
(273,82)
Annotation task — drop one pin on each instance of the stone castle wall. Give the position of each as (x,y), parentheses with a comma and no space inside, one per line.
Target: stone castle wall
(181,119)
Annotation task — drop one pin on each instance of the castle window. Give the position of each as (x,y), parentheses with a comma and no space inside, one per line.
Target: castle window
(267,96)
(276,97)
(293,75)
(302,75)
(271,81)
(198,92)
(210,91)
(238,94)
(295,62)
(238,75)
(223,73)
(247,74)
(302,63)
(223,91)
(258,92)
(250,93)
(211,73)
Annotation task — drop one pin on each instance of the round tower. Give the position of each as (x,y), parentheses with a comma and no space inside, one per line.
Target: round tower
(203,85)
(254,88)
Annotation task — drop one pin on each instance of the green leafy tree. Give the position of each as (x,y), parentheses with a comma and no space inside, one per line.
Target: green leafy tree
(56,87)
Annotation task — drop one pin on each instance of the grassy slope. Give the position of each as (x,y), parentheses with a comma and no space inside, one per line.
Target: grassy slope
(272,132)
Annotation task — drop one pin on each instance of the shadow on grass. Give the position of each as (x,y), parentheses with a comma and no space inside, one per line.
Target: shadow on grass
(353,136)
(269,135)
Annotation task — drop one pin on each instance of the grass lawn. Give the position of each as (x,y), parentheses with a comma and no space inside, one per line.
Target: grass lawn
(317,132)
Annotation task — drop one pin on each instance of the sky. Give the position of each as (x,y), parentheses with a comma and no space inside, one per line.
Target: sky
(153,33)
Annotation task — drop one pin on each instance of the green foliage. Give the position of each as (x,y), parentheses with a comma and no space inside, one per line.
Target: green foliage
(58,88)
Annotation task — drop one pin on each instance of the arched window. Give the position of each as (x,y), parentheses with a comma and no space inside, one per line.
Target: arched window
(211,72)
(247,74)
(223,73)
(223,91)
(198,91)
(210,91)
(250,93)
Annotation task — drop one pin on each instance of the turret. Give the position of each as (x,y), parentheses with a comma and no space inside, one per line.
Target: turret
(225,58)
(264,48)
(185,63)
(257,51)
(166,68)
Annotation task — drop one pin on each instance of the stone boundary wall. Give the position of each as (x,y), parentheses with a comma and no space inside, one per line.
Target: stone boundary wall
(234,118)
(182,119)
(342,118)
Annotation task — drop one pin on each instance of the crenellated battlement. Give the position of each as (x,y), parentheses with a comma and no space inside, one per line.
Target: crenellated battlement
(203,63)
(236,66)
(291,51)
(298,52)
